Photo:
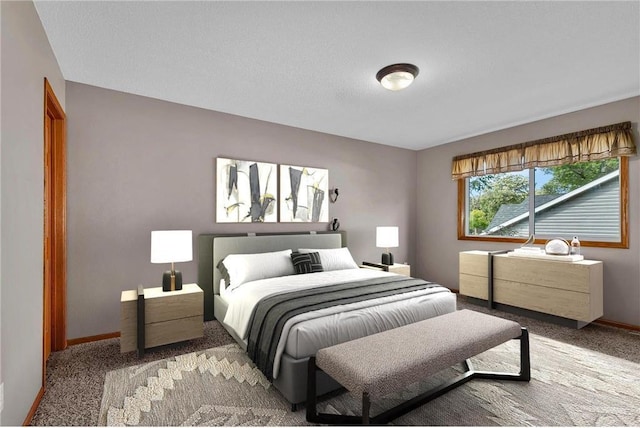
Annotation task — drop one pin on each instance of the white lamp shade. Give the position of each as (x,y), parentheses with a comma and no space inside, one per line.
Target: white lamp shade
(169,246)
(387,237)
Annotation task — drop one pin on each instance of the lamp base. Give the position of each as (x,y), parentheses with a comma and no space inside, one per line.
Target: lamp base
(387,259)
(172,282)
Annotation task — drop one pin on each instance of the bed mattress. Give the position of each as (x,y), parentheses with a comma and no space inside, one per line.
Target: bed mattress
(304,334)
(306,337)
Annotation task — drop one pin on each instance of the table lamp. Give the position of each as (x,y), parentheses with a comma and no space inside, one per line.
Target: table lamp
(171,246)
(387,237)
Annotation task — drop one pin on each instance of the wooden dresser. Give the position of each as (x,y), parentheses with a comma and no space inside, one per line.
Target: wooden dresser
(570,290)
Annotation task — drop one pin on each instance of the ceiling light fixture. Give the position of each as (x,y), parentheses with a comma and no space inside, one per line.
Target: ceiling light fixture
(397,76)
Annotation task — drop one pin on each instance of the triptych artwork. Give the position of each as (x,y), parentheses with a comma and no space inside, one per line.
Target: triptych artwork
(247,192)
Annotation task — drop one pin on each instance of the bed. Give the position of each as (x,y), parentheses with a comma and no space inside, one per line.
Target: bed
(258,311)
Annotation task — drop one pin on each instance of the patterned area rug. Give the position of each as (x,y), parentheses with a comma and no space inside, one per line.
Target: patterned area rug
(219,386)
(570,386)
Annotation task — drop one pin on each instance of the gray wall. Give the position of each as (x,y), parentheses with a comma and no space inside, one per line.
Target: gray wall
(137,164)
(437,247)
(27,59)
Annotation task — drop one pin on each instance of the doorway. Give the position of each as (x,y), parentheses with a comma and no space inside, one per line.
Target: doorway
(55,248)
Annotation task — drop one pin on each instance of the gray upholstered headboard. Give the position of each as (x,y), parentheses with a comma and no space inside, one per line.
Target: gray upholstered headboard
(214,247)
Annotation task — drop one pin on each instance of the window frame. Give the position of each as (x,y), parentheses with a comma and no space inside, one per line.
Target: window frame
(624,217)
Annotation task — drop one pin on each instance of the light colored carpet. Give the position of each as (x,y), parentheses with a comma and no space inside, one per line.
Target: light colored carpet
(570,386)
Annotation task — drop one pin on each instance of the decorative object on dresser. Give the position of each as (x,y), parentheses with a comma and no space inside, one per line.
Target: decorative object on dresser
(530,241)
(304,194)
(565,292)
(171,246)
(160,317)
(557,247)
(246,191)
(575,246)
(399,268)
(387,237)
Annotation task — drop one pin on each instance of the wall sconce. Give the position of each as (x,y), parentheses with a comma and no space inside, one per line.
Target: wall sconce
(333,195)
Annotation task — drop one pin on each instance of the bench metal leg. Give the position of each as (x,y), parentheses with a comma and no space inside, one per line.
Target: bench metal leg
(525,356)
(312,413)
(326,418)
(467,366)
(525,363)
(407,406)
(366,407)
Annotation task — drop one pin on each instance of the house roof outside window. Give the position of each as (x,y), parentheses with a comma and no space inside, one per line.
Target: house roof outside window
(592,211)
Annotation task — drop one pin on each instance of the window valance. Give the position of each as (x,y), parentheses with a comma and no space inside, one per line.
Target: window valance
(591,144)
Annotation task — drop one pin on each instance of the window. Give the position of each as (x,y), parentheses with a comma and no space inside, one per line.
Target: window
(573,184)
(587,199)
(498,204)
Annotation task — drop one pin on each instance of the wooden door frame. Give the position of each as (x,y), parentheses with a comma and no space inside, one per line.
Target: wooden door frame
(58,222)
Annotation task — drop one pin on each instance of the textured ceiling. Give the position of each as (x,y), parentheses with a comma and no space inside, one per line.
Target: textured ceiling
(483,65)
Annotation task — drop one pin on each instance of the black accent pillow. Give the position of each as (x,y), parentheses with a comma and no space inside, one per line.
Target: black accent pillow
(306,262)
(225,274)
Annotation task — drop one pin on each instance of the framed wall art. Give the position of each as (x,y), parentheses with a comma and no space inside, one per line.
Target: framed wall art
(246,191)
(304,194)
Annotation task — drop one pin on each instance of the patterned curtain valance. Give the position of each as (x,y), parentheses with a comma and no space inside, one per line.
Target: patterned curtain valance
(591,144)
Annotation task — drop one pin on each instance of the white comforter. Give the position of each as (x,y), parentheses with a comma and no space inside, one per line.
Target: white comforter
(400,309)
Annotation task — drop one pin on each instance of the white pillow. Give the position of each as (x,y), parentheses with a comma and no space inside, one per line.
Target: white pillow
(333,258)
(251,267)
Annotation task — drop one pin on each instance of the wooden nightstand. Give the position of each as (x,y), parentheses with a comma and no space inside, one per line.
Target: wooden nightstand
(398,268)
(169,316)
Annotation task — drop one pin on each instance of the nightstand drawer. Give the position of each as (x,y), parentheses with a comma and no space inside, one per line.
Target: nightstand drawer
(177,330)
(178,305)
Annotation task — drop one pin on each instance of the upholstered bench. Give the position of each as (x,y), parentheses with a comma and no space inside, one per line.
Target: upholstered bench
(386,362)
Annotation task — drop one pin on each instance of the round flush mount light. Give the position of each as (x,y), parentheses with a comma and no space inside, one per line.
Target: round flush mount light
(397,76)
